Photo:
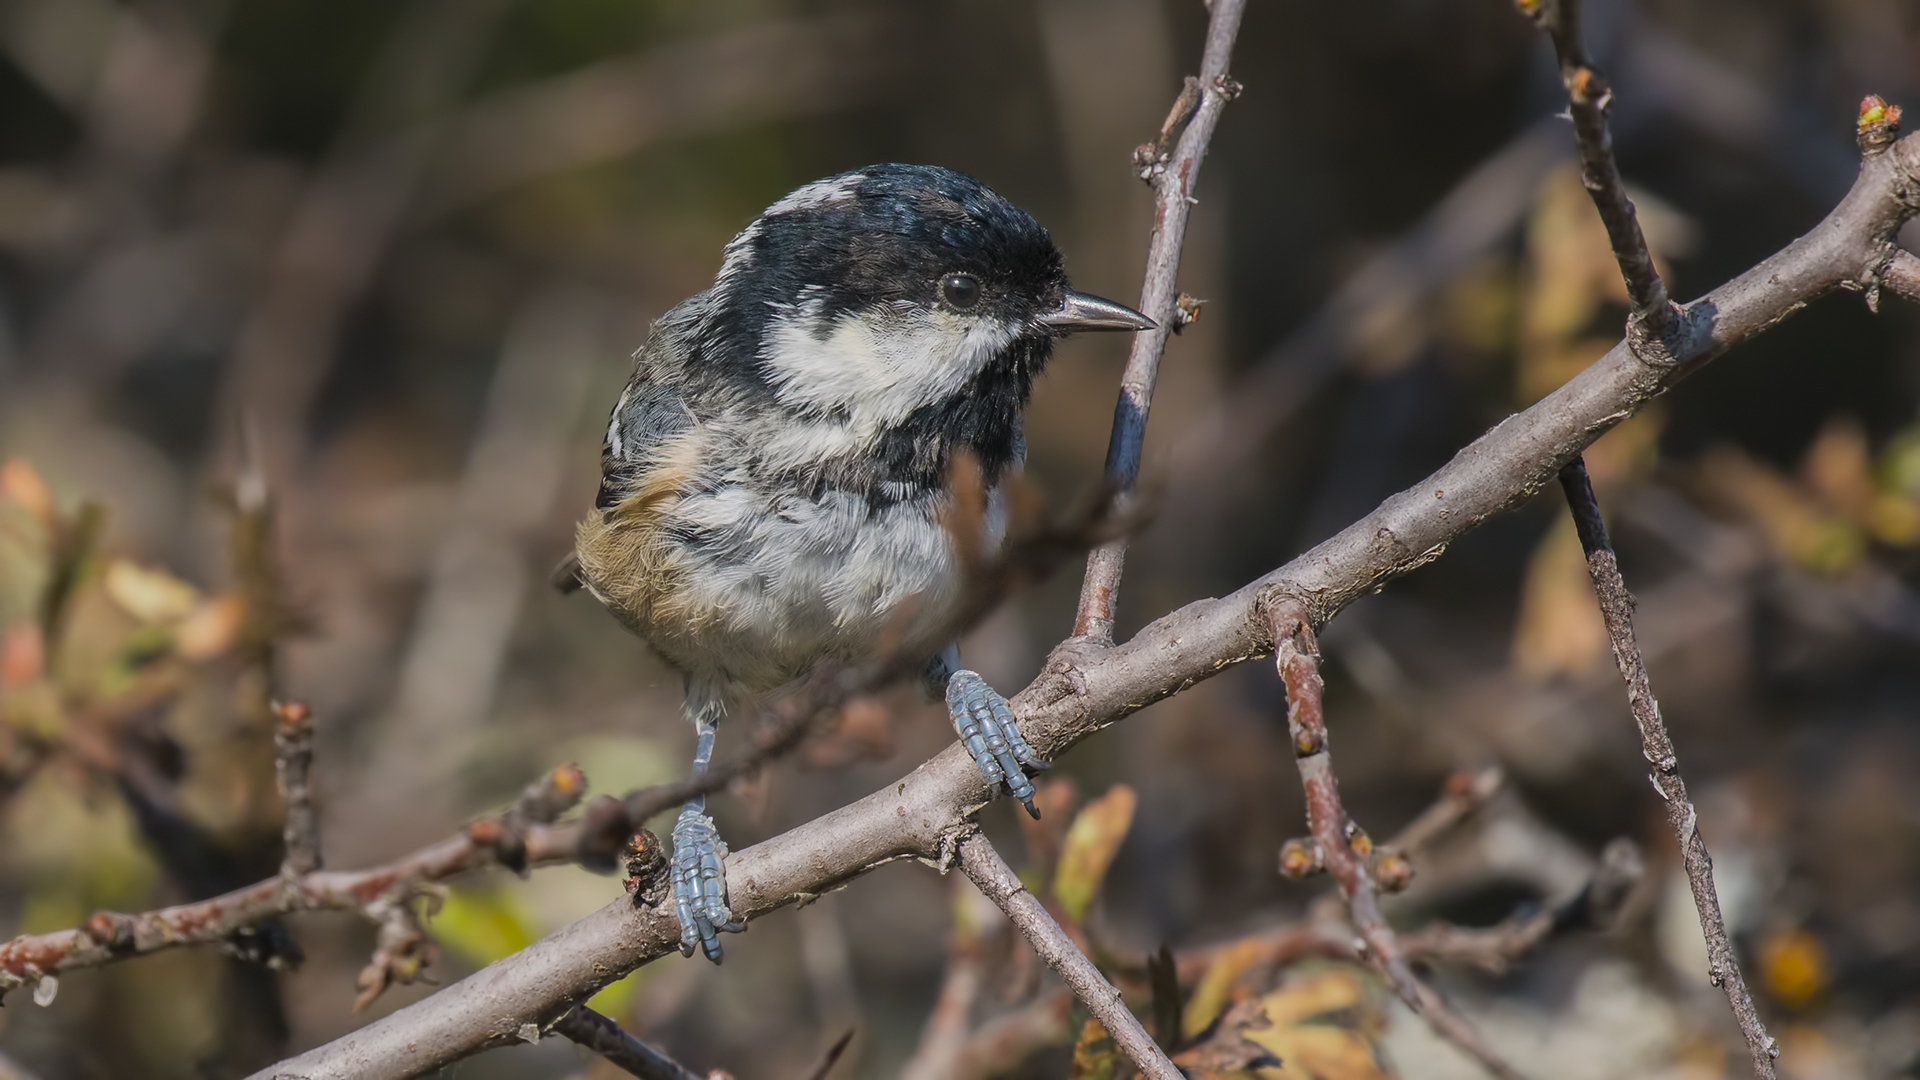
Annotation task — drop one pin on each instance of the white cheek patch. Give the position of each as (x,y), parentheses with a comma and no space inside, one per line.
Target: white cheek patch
(878,366)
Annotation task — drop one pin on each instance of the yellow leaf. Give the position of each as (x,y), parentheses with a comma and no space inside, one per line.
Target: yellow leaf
(150,595)
(1321,1026)
(1091,844)
(1215,990)
(1559,631)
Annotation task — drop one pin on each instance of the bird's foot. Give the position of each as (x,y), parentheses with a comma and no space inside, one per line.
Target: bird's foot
(700,883)
(987,728)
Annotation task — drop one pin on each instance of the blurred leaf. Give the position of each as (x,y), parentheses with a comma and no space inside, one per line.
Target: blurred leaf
(23,656)
(1094,1055)
(19,482)
(1215,990)
(1839,470)
(1793,966)
(1322,1026)
(150,595)
(1163,975)
(211,629)
(1559,631)
(481,924)
(1798,528)
(1091,845)
(1229,1050)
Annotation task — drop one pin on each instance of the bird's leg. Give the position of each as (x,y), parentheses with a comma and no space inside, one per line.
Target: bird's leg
(987,728)
(699,855)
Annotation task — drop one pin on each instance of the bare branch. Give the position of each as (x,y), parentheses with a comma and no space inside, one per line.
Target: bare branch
(1082,690)
(604,1036)
(294,742)
(1902,275)
(1173,175)
(379,894)
(994,878)
(1495,948)
(1344,847)
(1588,97)
(1616,607)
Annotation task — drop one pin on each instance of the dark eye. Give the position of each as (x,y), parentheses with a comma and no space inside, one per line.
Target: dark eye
(961,291)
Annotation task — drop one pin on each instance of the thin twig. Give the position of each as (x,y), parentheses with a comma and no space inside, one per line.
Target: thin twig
(378,894)
(293,741)
(1173,177)
(1588,97)
(1902,275)
(1344,847)
(1081,691)
(1494,948)
(604,1036)
(831,1058)
(1616,607)
(991,874)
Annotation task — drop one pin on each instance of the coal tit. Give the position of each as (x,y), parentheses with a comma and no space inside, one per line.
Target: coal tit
(775,473)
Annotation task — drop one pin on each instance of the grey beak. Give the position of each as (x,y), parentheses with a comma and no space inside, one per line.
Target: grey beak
(1081,311)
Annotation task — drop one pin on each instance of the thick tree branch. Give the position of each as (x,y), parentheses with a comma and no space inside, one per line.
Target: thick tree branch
(997,881)
(1173,171)
(1083,690)
(1616,608)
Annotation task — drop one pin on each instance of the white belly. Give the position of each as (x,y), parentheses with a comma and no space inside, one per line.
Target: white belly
(765,587)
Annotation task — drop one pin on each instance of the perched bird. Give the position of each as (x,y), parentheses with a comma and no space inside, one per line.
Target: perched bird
(775,473)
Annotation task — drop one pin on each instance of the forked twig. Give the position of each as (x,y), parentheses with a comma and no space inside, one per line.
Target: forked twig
(1343,847)
(1173,174)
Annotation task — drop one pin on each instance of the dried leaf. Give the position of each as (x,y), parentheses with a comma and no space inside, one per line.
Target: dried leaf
(1798,528)
(1091,845)
(19,482)
(1094,1054)
(1229,1050)
(211,629)
(1215,990)
(150,595)
(1322,1026)
(23,656)
(1164,976)
(1559,631)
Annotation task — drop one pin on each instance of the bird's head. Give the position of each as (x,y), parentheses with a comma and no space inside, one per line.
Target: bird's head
(884,293)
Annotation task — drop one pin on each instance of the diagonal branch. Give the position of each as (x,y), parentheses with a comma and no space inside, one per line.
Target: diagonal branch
(1083,690)
(1616,607)
(997,881)
(1173,173)
(1343,846)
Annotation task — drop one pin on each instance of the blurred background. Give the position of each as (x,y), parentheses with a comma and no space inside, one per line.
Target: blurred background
(397,254)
